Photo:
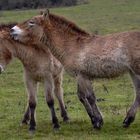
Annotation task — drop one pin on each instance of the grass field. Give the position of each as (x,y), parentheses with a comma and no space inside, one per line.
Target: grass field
(104,16)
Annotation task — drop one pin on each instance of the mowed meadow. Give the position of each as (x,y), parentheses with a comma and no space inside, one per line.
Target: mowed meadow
(114,96)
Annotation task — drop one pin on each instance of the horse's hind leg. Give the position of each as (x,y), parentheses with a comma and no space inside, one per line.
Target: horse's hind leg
(58,90)
(50,100)
(133,109)
(87,98)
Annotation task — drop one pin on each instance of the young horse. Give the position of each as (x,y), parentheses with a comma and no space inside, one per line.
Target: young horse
(86,56)
(38,67)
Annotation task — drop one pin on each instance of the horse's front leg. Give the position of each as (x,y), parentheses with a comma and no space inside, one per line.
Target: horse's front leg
(133,109)
(87,97)
(30,112)
(58,90)
(49,86)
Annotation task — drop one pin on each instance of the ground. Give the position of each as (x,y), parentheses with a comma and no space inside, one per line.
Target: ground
(104,17)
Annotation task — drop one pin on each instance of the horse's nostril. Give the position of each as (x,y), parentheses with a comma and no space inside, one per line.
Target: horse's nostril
(12,30)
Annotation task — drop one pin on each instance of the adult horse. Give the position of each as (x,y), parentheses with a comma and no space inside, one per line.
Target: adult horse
(39,66)
(86,56)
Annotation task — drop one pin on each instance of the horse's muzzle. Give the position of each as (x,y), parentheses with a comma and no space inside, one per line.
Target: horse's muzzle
(13,34)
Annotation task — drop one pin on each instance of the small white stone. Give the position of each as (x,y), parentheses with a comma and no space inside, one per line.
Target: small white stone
(2,69)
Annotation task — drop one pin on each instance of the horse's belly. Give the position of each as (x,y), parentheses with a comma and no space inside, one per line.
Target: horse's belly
(104,68)
(38,72)
(108,70)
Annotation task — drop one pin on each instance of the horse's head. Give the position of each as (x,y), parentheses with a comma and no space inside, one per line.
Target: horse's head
(5,57)
(31,30)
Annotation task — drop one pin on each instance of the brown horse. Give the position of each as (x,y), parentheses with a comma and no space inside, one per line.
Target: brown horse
(38,67)
(86,56)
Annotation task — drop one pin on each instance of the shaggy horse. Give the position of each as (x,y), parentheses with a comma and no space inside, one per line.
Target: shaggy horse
(38,67)
(86,56)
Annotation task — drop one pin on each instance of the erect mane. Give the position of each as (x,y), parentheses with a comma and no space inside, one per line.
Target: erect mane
(63,21)
(7,26)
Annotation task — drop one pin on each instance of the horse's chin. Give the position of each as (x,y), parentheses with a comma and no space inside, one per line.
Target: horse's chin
(17,38)
(14,36)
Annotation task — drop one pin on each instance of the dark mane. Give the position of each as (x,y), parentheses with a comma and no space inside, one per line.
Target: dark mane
(6,26)
(63,21)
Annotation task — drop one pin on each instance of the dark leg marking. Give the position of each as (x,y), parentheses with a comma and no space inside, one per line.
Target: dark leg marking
(87,97)
(97,120)
(53,114)
(127,121)
(85,102)
(26,117)
(32,121)
(64,114)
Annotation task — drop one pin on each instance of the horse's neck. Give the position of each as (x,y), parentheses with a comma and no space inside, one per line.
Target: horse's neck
(7,42)
(18,51)
(24,54)
(60,43)
(56,45)
(14,48)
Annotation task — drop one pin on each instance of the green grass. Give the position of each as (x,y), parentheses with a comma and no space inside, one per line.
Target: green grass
(104,16)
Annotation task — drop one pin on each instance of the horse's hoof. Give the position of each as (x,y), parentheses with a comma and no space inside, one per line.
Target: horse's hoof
(97,123)
(56,127)
(128,121)
(24,122)
(32,130)
(66,119)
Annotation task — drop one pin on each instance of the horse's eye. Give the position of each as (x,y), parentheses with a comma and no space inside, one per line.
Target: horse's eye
(31,23)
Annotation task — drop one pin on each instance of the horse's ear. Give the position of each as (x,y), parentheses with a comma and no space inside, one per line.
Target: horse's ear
(46,13)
